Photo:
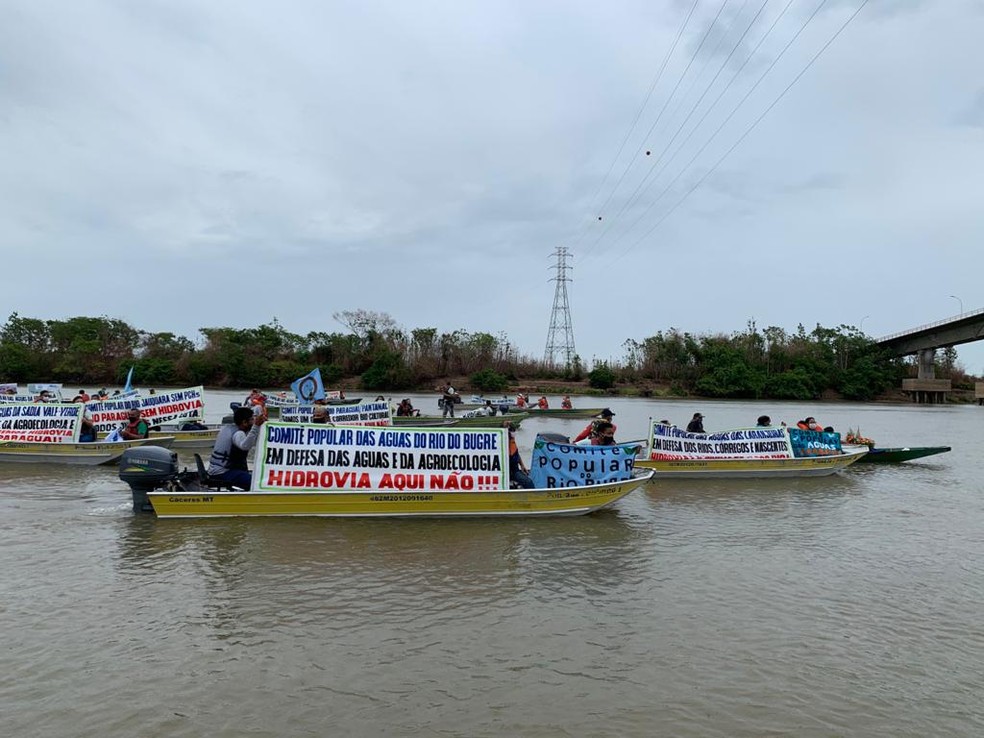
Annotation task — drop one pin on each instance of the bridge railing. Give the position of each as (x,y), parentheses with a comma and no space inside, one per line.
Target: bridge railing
(926,327)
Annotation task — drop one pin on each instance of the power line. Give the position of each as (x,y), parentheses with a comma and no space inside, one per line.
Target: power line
(645,103)
(655,170)
(755,123)
(666,103)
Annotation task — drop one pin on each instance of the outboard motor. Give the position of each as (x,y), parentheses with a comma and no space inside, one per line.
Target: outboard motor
(145,469)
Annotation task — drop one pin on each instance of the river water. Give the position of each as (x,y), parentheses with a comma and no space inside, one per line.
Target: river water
(846,606)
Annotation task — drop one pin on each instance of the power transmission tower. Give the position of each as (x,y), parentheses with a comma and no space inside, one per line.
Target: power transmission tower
(560,336)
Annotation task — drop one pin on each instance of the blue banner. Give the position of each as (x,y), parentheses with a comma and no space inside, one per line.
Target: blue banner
(567,465)
(814,443)
(309,387)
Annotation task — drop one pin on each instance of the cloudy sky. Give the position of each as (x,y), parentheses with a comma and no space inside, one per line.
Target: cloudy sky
(180,164)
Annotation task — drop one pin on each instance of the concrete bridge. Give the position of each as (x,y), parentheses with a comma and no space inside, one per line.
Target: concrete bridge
(923,342)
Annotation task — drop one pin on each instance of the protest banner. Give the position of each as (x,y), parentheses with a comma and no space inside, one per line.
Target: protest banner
(157,409)
(41,422)
(668,442)
(18,399)
(310,457)
(814,443)
(571,465)
(365,413)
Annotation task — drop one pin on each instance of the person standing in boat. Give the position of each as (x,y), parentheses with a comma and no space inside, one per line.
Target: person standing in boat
(136,427)
(696,424)
(448,396)
(87,429)
(228,460)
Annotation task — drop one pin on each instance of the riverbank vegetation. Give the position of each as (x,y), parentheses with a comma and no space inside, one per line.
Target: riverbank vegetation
(374,353)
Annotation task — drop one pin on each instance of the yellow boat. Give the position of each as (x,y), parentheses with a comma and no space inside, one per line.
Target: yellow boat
(84,454)
(810,466)
(389,503)
(184,439)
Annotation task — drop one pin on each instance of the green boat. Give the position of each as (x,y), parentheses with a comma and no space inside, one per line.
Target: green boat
(900,454)
(479,421)
(577,412)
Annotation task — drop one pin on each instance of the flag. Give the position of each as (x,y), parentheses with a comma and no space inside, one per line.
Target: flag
(309,387)
(129,378)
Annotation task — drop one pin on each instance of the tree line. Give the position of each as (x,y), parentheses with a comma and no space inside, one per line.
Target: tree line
(376,354)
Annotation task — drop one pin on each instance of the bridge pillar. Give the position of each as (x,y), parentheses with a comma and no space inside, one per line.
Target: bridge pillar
(927,368)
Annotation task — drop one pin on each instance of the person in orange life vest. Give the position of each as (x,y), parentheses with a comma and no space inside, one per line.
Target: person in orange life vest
(604,415)
(542,403)
(521,400)
(519,474)
(136,426)
(255,398)
(566,403)
(810,424)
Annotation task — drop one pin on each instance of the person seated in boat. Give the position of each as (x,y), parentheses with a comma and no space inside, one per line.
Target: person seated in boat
(255,397)
(696,424)
(605,415)
(566,403)
(519,474)
(193,425)
(228,460)
(603,434)
(810,423)
(521,400)
(542,403)
(82,396)
(488,409)
(136,427)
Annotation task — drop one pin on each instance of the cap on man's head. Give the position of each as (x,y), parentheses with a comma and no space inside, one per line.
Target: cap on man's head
(698,415)
(606,413)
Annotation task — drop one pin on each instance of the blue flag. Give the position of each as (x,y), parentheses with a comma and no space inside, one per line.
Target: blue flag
(309,388)
(129,378)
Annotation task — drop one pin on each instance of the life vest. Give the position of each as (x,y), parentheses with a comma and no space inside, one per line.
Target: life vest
(133,427)
(542,403)
(567,405)
(226,455)
(520,401)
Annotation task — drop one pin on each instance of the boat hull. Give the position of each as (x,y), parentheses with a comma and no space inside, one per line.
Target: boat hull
(479,421)
(811,466)
(376,503)
(577,412)
(192,439)
(78,454)
(898,455)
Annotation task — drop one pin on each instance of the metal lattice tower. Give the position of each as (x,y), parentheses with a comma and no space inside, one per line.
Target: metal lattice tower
(560,336)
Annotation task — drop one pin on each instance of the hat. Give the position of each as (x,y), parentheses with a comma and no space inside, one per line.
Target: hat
(606,413)
(698,415)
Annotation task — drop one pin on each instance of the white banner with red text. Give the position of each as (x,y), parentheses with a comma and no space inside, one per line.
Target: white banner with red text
(292,457)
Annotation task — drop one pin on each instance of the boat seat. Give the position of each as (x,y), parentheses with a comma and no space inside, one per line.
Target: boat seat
(205,480)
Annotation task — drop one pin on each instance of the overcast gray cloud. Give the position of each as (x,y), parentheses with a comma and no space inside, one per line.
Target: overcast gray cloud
(182,164)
